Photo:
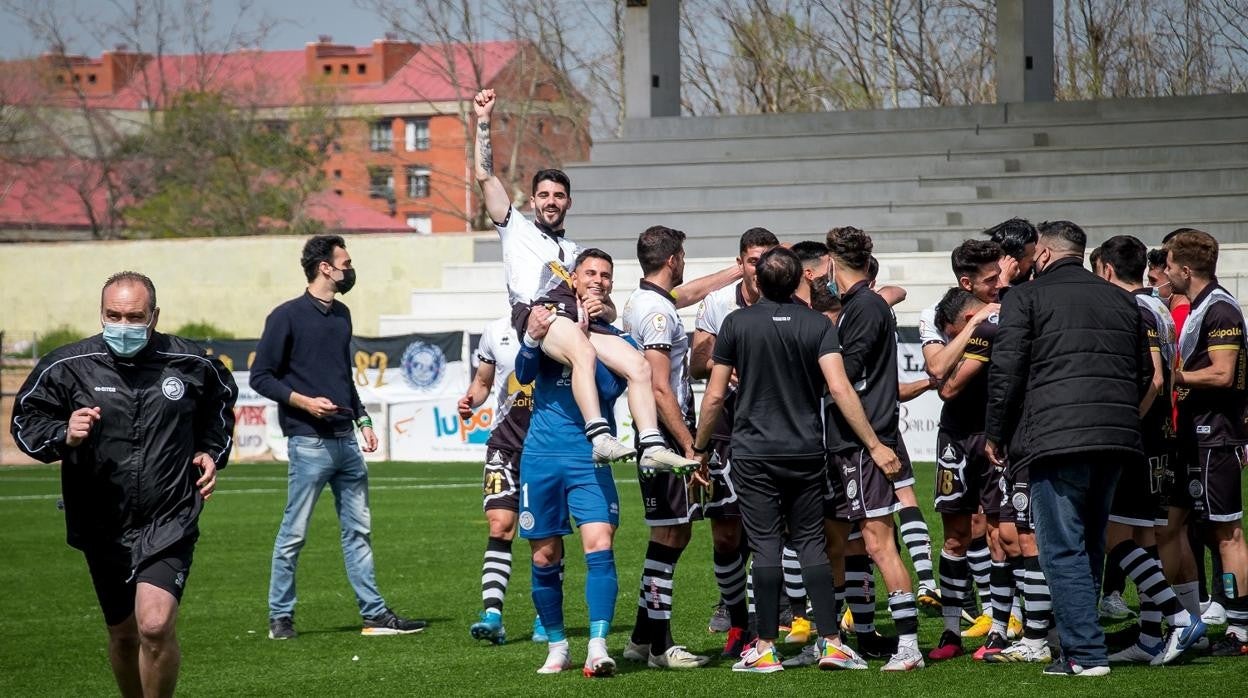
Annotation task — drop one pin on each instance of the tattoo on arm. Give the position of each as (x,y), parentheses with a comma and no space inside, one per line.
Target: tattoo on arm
(485,150)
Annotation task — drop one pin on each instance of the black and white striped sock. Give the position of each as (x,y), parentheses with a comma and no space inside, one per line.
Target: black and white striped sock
(595,428)
(1037,602)
(1145,572)
(1150,622)
(955,586)
(905,615)
(1002,586)
(730,577)
(656,593)
(495,574)
(794,588)
(1237,617)
(979,558)
(860,592)
(918,542)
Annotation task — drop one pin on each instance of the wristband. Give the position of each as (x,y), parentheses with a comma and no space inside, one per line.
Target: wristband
(701,450)
(364,422)
(530,342)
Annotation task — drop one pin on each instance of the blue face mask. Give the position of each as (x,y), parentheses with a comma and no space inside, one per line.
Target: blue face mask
(125,340)
(836,292)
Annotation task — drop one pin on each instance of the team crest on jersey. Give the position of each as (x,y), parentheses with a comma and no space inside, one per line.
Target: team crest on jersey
(496,459)
(851,489)
(949,455)
(660,323)
(526,520)
(180,580)
(1195,489)
(173,388)
(1019,501)
(423,365)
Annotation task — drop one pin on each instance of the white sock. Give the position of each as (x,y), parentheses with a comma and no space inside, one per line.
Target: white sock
(597,647)
(1189,596)
(911,641)
(1035,643)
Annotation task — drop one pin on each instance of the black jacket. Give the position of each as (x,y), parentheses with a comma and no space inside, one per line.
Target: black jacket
(1069,367)
(131,483)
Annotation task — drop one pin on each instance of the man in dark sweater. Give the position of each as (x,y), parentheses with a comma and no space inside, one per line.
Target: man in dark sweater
(303,363)
(1069,367)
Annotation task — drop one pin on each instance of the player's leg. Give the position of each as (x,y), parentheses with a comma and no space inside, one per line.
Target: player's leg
(979,559)
(110,572)
(544,521)
(502,506)
(658,591)
(310,468)
(914,533)
(795,592)
(1157,599)
(594,503)
(566,343)
(878,536)
(726,542)
(123,656)
(955,582)
(1222,468)
(155,614)
(759,499)
(547,591)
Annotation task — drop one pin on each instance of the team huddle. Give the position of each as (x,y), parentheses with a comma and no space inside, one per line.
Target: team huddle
(797,460)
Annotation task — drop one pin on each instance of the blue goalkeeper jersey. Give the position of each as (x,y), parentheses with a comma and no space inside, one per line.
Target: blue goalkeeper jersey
(557,427)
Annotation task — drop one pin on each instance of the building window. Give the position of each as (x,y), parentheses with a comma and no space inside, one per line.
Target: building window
(337,192)
(417,135)
(337,174)
(345,69)
(380,183)
(417,182)
(361,68)
(91,78)
(420,222)
(381,135)
(328,70)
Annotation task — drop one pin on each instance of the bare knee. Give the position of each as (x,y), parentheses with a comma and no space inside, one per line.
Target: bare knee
(503,526)
(124,636)
(672,536)
(725,538)
(155,630)
(547,552)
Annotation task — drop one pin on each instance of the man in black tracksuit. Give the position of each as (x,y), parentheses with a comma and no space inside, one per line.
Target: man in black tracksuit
(141,422)
(1070,365)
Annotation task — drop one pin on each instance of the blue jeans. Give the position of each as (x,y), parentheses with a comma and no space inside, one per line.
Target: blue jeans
(1070,498)
(313,463)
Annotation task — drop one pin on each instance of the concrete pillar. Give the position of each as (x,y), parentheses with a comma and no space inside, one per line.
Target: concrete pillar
(1024,67)
(651,58)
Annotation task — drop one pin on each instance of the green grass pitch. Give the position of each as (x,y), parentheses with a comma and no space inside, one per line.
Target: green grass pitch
(428,537)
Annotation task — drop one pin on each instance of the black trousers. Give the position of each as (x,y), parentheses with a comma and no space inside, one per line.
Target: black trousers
(776,496)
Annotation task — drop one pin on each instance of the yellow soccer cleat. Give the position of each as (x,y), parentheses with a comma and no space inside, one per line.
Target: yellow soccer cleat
(799,632)
(980,627)
(1014,630)
(847,622)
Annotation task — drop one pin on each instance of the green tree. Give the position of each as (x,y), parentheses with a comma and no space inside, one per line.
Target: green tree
(219,169)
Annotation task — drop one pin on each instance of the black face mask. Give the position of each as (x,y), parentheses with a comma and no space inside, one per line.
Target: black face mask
(347,282)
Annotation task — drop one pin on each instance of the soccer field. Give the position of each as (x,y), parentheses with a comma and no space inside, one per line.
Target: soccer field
(428,536)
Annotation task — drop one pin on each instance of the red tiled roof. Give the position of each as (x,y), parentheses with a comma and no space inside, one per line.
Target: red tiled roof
(338,213)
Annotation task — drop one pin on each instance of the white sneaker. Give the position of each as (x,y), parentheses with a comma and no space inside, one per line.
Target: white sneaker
(635,652)
(662,458)
(608,449)
(1179,639)
(1114,608)
(598,664)
(1214,614)
(905,659)
(1135,654)
(556,658)
(1022,652)
(677,657)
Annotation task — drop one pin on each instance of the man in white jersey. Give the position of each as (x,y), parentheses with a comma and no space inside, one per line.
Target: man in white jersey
(534,257)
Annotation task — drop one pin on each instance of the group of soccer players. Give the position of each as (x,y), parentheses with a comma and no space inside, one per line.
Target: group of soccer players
(557,365)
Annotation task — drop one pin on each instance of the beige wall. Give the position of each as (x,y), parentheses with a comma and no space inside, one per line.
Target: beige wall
(230,282)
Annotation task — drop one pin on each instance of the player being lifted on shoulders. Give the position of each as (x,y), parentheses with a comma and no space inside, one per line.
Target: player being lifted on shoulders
(534,257)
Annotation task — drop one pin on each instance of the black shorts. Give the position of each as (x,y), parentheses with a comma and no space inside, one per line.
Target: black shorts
(501,481)
(562,301)
(905,478)
(1212,478)
(966,481)
(115,581)
(1016,498)
(669,500)
(857,489)
(1139,494)
(721,503)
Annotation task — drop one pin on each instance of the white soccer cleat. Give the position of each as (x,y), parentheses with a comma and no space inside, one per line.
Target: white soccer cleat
(608,449)
(598,664)
(556,659)
(662,458)
(635,652)
(1213,614)
(677,657)
(1178,640)
(905,659)
(1022,652)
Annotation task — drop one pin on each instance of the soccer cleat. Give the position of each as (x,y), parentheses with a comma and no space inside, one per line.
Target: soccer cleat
(662,458)
(981,627)
(1064,667)
(282,628)
(1114,608)
(967,618)
(677,657)
(928,597)
(1178,640)
(756,662)
(873,645)
(833,656)
(539,631)
(635,652)
(1135,654)
(949,646)
(1213,614)
(847,621)
(994,645)
(556,659)
(799,632)
(738,639)
(906,658)
(1014,629)
(598,664)
(490,628)
(809,656)
(608,449)
(786,618)
(1021,652)
(388,623)
(720,622)
(1229,646)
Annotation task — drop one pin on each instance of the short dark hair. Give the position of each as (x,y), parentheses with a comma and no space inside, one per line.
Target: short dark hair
(757,237)
(972,254)
(1176,231)
(823,300)
(1013,236)
(1127,255)
(656,245)
(132,277)
(319,248)
(809,251)
(1068,235)
(593,253)
(779,273)
(1093,257)
(552,175)
(850,246)
(1195,249)
(951,306)
(1157,258)
(873,268)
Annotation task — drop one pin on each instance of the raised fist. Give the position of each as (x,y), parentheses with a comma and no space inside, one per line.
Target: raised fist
(483,104)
